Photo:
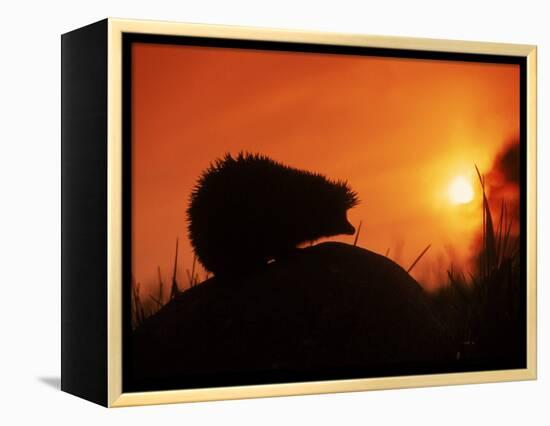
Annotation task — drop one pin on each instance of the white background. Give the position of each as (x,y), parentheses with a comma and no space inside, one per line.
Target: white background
(30,211)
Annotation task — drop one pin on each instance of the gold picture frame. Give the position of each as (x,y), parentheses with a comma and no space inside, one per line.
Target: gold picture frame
(113,30)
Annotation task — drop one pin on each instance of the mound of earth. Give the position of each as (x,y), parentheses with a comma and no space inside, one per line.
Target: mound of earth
(329,311)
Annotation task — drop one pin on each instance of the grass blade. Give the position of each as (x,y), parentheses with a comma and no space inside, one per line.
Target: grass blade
(357,233)
(418,258)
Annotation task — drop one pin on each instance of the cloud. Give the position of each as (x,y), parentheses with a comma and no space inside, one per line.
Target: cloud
(502,187)
(503,182)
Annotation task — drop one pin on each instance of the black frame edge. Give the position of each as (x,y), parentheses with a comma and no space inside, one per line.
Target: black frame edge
(84,212)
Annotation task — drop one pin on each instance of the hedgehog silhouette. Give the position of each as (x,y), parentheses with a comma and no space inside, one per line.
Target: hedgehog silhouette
(248,210)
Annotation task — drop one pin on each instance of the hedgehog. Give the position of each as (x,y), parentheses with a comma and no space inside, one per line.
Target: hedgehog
(248,210)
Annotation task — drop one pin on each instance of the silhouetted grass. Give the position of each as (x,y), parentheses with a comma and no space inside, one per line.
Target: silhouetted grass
(141,310)
(482,311)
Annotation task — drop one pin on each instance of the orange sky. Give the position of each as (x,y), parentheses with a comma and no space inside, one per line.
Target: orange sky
(399,130)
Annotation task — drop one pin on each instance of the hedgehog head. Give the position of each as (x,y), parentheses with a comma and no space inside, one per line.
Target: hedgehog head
(330,203)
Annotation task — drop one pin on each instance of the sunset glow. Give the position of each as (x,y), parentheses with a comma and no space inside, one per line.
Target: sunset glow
(404,133)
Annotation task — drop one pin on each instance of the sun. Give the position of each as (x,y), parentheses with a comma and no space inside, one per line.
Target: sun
(460,191)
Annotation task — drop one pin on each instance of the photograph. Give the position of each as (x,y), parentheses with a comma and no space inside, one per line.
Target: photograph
(299,212)
(271,214)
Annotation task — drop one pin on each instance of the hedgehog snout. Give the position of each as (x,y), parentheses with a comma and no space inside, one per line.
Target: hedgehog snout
(342,226)
(348,228)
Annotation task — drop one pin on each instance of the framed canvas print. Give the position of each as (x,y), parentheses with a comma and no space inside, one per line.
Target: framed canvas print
(251,212)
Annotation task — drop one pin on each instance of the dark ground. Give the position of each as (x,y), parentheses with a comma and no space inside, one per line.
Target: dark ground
(330,311)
